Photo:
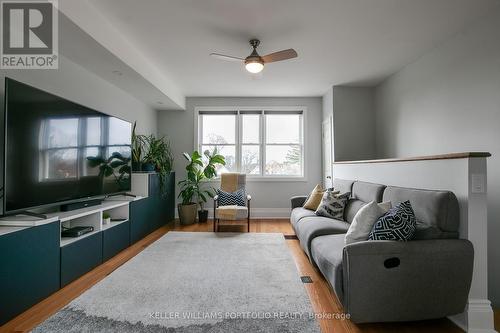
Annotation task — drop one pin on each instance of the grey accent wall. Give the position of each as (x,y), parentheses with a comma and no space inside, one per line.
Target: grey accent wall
(179,127)
(353,113)
(353,119)
(449,101)
(75,83)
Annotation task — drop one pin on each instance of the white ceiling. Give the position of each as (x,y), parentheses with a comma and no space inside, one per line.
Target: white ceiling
(356,42)
(82,49)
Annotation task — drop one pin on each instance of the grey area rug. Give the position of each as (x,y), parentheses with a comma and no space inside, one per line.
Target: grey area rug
(196,282)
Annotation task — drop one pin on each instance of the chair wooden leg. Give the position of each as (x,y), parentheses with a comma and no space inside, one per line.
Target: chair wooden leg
(248,216)
(215,212)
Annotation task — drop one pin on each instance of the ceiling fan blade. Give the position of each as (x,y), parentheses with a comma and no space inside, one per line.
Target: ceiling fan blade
(225,57)
(280,55)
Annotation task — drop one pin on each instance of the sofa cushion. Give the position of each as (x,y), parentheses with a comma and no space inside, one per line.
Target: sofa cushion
(397,224)
(362,193)
(351,209)
(298,213)
(326,252)
(311,227)
(367,192)
(437,212)
(342,185)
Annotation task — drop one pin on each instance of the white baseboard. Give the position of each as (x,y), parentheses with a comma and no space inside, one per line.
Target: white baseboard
(258,213)
(477,318)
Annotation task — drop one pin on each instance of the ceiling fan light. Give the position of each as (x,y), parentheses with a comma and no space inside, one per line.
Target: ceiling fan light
(254,66)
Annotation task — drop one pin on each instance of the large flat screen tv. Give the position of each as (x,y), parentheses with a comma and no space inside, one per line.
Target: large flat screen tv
(57,151)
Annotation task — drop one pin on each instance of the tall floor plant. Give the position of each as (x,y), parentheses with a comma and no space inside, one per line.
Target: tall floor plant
(196,186)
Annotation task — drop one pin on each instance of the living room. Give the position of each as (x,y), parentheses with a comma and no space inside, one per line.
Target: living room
(227,166)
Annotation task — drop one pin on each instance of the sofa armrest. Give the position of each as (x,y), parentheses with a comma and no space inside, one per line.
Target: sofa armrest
(298,201)
(403,281)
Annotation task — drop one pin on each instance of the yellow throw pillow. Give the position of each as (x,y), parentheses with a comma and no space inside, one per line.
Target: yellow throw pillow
(314,199)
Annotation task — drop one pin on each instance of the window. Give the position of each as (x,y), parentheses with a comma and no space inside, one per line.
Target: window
(266,143)
(220,132)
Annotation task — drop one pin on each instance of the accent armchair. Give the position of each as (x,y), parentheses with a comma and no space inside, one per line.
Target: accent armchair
(231,182)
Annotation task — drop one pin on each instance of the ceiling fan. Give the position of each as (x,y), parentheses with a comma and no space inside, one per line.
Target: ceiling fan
(254,63)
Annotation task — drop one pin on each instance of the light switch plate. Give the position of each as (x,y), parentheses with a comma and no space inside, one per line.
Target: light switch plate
(478,183)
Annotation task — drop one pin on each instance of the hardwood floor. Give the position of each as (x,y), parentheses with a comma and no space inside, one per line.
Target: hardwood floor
(323,300)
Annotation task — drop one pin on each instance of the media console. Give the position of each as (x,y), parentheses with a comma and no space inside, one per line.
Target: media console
(35,261)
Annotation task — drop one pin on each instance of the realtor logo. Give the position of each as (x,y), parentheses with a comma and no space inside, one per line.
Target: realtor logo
(29,35)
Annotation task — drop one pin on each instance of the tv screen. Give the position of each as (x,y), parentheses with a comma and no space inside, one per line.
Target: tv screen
(57,151)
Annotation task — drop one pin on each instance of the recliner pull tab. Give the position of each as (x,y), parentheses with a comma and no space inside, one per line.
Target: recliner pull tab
(391,262)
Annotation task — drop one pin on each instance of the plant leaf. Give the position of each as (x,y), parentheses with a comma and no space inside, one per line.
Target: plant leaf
(124,169)
(195,155)
(117,163)
(94,161)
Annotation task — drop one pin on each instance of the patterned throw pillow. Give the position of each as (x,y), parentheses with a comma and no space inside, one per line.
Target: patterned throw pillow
(314,198)
(399,224)
(333,204)
(237,198)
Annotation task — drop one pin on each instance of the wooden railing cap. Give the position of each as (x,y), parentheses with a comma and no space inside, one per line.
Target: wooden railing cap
(421,158)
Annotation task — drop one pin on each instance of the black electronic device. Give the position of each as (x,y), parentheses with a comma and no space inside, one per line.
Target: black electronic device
(76,231)
(80,204)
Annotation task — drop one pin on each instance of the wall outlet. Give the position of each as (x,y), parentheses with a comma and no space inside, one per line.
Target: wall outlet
(478,183)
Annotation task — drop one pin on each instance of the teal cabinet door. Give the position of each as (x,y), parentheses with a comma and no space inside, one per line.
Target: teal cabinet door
(114,240)
(80,257)
(29,268)
(149,214)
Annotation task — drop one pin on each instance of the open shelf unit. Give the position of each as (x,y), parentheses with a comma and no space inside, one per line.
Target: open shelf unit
(118,214)
(93,217)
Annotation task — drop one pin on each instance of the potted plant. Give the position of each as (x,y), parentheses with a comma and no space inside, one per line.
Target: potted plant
(106,218)
(151,154)
(157,157)
(195,185)
(137,149)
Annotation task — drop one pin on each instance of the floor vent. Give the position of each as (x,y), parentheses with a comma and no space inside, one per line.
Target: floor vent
(290,236)
(306,279)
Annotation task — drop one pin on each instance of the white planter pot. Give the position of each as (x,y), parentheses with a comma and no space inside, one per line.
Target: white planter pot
(106,221)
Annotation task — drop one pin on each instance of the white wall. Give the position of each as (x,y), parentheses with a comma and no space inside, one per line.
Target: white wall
(269,198)
(328,103)
(449,101)
(75,83)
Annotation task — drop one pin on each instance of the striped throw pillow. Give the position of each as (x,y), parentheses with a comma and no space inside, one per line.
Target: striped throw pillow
(237,198)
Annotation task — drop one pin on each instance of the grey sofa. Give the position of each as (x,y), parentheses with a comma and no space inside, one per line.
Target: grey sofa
(382,281)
